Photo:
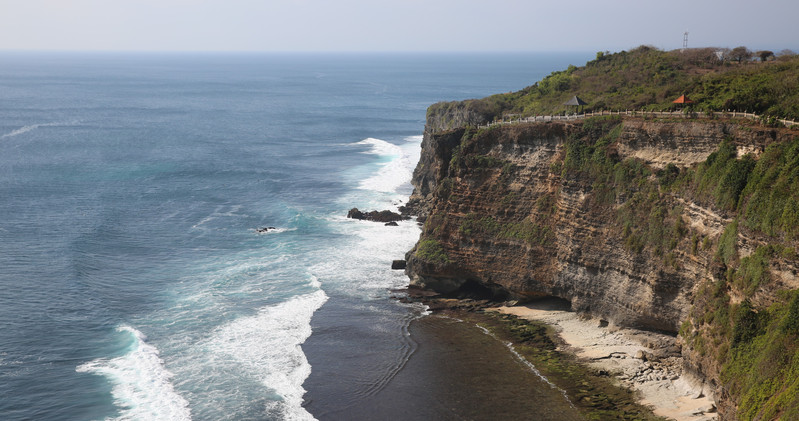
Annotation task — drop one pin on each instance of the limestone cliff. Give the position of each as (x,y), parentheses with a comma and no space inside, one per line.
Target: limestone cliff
(596,212)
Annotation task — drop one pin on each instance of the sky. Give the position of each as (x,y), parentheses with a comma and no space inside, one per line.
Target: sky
(394,25)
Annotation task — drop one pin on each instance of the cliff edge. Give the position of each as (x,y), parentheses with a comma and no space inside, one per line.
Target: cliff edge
(646,223)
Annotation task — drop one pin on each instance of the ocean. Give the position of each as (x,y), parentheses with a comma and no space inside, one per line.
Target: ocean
(134,284)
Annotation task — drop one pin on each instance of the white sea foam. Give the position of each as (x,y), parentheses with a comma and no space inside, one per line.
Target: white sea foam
(276,230)
(374,245)
(226,211)
(396,172)
(380,147)
(142,386)
(266,347)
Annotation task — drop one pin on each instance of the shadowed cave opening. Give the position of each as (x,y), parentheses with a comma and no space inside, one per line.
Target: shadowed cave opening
(475,290)
(551,302)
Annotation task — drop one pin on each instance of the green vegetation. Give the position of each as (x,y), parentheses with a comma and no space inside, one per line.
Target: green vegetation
(741,320)
(753,270)
(762,366)
(528,231)
(432,251)
(648,78)
(769,200)
(464,157)
(647,217)
(724,176)
(755,344)
(728,244)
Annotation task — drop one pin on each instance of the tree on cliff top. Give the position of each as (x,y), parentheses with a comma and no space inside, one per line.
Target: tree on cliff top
(765,55)
(740,54)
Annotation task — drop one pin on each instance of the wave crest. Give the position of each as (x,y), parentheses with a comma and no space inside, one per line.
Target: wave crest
(267,347)
(398,171)
(141,385)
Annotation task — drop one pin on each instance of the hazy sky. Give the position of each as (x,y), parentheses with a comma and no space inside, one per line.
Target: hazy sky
(394,25)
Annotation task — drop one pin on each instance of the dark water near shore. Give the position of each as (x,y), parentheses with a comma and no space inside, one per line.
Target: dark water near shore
(133,284)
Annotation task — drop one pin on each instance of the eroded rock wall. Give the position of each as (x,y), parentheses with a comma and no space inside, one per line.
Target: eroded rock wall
(509,219)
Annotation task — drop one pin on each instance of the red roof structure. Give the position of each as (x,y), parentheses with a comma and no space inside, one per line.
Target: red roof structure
(683,99)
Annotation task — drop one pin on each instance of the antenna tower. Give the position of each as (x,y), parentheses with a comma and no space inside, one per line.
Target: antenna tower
(685,40)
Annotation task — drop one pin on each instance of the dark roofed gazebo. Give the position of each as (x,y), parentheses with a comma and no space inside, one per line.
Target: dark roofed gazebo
(576,101)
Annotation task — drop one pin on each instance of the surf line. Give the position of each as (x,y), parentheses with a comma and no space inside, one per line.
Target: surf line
(25,129)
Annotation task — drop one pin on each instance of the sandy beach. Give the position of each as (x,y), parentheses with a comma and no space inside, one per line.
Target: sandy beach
(643,361)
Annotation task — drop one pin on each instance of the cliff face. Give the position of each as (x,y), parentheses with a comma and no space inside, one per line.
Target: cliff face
(584,211)
(516,225)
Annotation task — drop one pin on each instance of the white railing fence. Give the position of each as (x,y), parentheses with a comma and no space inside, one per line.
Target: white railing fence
(640,113)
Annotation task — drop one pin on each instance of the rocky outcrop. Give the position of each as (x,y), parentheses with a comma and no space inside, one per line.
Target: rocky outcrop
(450,115)
(519,211)
(385,216)
(511,220)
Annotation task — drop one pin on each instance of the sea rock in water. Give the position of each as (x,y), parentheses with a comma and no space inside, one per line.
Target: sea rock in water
(392,224)
(376,216)
(398,264)
(354,213)
(264,229)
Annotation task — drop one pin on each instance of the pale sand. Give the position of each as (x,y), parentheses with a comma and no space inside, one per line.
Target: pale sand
(662,384)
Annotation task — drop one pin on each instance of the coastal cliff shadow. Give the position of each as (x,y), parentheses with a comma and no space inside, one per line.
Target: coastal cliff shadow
(475,290)
(549,303)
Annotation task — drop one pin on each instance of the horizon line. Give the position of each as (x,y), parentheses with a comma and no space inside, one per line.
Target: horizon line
(122,51)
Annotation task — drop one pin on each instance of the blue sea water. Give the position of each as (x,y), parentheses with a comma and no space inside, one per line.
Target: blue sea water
(133,282)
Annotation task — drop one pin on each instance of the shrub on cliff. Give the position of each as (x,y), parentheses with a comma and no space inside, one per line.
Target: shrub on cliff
(770,200)
(432,251)
(756,342)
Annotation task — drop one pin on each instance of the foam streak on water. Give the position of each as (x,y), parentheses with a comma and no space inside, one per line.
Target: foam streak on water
(142,386)
(267,347)
(25,129)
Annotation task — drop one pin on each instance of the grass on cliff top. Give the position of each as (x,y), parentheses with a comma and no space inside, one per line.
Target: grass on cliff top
(648,78)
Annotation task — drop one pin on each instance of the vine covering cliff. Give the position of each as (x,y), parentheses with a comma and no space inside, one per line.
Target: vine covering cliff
(686,226)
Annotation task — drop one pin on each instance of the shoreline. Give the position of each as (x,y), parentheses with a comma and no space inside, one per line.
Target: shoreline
(644,363)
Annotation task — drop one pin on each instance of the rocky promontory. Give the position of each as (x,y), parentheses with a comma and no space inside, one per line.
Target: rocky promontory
(628,219)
